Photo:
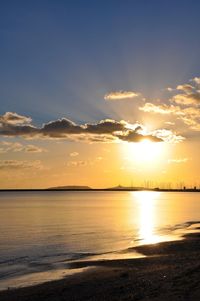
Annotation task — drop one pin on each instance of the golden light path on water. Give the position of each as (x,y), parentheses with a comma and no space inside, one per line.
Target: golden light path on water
(147,201)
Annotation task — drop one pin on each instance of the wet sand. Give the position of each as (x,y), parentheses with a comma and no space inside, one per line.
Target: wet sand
(171,271)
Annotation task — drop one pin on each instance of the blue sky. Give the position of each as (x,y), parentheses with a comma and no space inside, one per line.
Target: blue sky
(59,58)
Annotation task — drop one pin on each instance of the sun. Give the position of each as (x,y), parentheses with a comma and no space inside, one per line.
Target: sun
(145,152)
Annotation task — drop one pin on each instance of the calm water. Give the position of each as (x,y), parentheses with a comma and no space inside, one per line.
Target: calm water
(41,232)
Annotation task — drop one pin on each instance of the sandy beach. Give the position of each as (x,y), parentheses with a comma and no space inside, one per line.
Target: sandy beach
(170,271)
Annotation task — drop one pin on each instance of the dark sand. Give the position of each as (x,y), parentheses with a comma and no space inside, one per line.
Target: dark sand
(171,271)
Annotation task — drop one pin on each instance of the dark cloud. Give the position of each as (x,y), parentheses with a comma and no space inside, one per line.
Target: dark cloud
(107,126)
(133,136)
(61,127)
(103,131)
(7,129)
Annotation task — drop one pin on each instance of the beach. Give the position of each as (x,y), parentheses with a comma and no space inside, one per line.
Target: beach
(170,271)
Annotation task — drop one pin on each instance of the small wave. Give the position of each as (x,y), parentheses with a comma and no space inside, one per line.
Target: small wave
(14,260)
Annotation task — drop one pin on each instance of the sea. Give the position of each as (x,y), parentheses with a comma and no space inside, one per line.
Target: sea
(42,233)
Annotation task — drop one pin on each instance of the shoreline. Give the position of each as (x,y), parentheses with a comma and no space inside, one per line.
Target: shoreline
(171,271)
(100,189)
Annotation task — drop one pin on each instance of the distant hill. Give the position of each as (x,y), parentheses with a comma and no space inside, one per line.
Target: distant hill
(72,187)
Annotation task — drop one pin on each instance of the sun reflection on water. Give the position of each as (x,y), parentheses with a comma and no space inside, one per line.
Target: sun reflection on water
(147,201)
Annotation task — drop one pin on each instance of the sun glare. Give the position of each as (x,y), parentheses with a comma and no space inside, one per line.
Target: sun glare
(145,152)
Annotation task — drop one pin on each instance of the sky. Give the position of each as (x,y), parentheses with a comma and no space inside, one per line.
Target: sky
(99,93)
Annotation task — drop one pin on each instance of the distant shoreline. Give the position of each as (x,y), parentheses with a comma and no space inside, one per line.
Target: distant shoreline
(102,189)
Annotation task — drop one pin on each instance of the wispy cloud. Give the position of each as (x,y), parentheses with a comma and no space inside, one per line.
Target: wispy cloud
(7,146)
(120,95)
(190,95)
(186,105)
(160,109)
(169,123)
(30,148)
(11,146)
(187,99)
(20,164)
(80,163)
(74,154)
(77,163)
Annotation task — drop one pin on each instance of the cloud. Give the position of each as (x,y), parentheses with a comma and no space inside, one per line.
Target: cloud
(12,130)
(187,98)
(186,105)
(169,89)
(164,109)
(30,148)
(2,150)
(160,109)
(186,88)
(19,147)
(196,80)
(192,122)
(190,94)
(107,130)
(11,146)
(14,118)
(181,160)
(19,164)
(77,163)
(107,126)
(169,123)
(60,127)
(99,158)
(134,136)
(97,138)
(74,154)
(119,95)
(63,128)
(168,136)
